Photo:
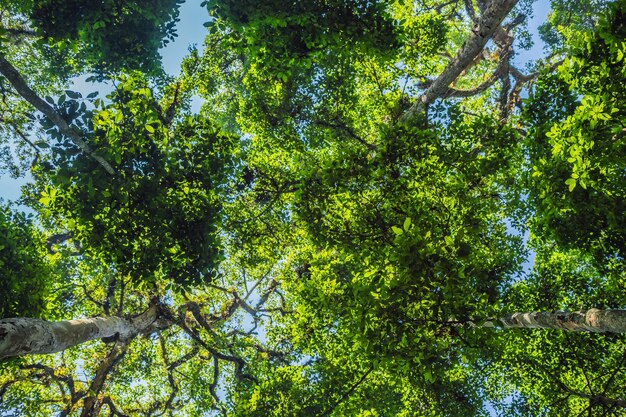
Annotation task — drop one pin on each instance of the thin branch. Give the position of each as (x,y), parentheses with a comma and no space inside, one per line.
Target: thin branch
(22,136)
(216,378)
(113,410)
(109,296)
(5,387)
(237,361)
(90,403)
(67,380)
(348,393)
(498,73)
(170,375)
(345,128)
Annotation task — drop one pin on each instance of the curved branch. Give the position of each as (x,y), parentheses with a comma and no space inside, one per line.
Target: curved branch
(113,410)
(22,136)
(499,72)
(65,379)
(348,393)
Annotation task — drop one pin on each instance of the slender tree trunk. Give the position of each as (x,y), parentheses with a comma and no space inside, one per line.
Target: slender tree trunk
(16,80)
(487,25)
(593,320)
(24,336)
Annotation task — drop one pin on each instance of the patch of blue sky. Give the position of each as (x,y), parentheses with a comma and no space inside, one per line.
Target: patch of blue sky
(541,10)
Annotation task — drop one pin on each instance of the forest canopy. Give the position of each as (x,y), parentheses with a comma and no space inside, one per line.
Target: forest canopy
(377,210)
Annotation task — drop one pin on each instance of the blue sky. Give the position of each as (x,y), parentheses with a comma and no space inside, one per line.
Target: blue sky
(541,8)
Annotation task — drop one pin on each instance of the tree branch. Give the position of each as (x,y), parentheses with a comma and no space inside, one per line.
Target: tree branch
(16,80)
(90,403)
(348,393)
(113,410)
(487,25)
(22,136)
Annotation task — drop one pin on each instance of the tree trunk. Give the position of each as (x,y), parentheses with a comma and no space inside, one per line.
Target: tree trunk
(593,320)
(24,336)
(481,33)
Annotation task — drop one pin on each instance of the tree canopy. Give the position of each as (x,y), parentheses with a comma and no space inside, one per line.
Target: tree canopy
(377,210)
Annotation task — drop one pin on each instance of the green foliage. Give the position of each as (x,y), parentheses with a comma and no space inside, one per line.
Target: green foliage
(577,181)
(112,35)
(158,216)
(329,260)
(27,273)
(568,18)
(276,31)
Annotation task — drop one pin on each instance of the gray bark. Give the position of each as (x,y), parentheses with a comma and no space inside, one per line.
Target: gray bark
(23,336)
(16,80)
(593,320)
(487,25)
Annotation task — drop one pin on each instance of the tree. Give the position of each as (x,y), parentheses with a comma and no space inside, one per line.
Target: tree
(334,233)
(27,274)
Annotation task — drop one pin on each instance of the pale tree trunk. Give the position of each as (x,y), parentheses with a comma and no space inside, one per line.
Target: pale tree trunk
(593,320)
(16,80)
(486,26)
(25,336)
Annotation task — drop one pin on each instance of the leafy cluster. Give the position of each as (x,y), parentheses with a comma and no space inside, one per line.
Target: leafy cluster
(118,35)
(577,144)
(285,32)
(27,274)
(158,216)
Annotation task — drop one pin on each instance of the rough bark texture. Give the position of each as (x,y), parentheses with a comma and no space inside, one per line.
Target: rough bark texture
(23,336)
(487,25)
(16,80)
(593,320)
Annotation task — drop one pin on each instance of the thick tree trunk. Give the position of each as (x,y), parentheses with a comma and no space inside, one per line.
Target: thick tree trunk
(593,320)
(481,33)
(16,80)
(24,336)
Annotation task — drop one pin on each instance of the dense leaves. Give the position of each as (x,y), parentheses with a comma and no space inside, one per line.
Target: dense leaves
(158,217)
(301,245)
(578,119)
(27,274)
(116,35)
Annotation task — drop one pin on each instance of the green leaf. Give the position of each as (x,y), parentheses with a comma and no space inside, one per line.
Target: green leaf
(73,94)
(397,230)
